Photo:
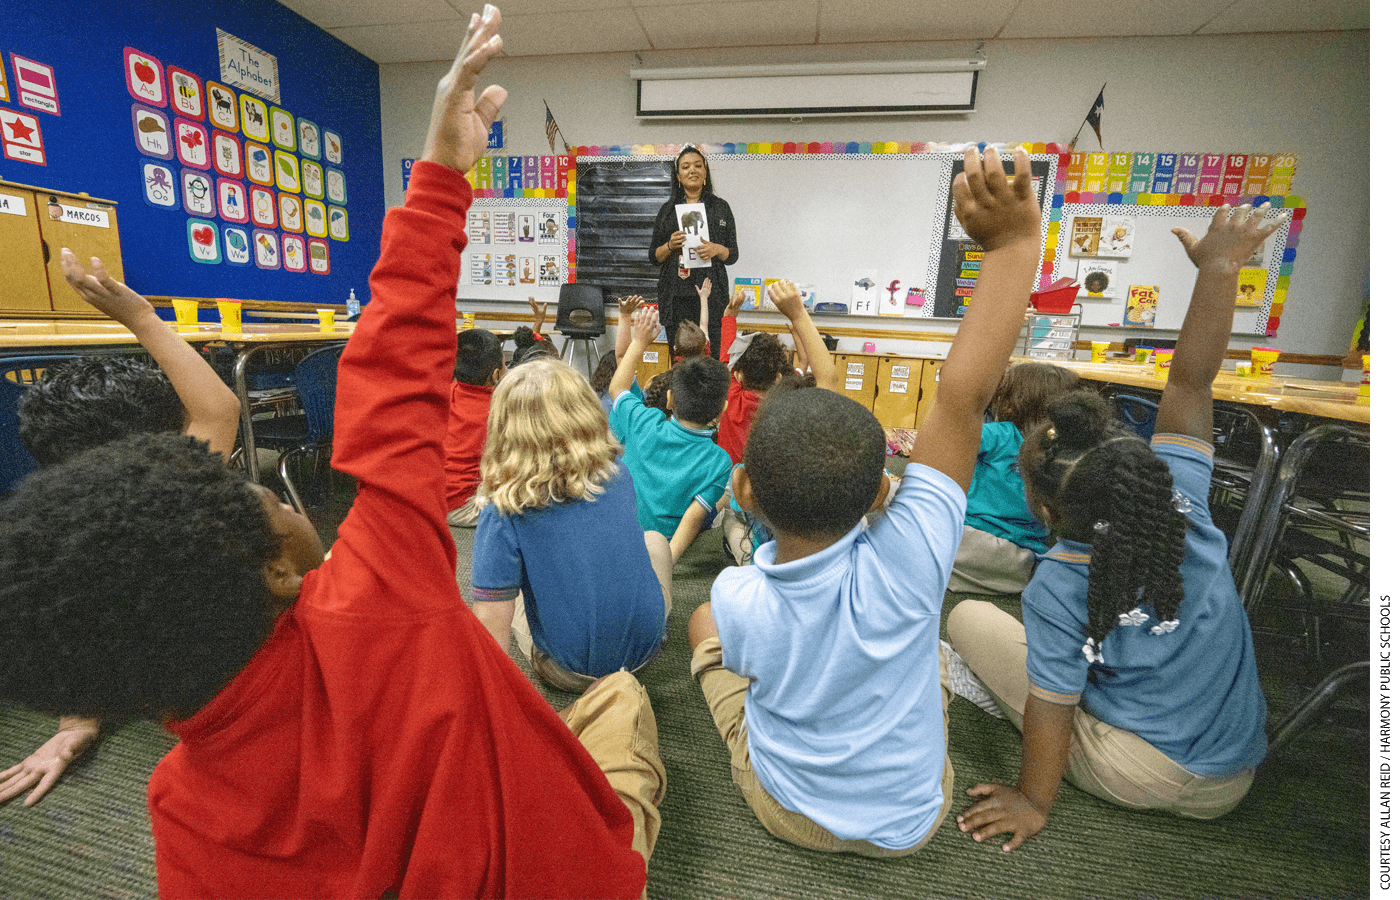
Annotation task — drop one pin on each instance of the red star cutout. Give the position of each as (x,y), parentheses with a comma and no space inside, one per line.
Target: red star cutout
(21,131)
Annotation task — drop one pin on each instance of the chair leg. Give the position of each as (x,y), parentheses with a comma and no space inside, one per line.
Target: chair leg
(284,470)
(1313,705)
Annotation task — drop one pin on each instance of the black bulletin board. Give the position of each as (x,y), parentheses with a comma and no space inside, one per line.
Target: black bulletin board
(617,202)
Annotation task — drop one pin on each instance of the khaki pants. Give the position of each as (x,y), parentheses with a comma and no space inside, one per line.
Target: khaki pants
(615,724)
(659,550)
(724,693)
(987,564)
(1111,763)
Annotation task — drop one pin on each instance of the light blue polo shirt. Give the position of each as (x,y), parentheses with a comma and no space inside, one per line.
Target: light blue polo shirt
(1192,692)
(671,465)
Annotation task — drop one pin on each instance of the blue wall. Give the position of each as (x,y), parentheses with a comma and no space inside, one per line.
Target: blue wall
(90,146)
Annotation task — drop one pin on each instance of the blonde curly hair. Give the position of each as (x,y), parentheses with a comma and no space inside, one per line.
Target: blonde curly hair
(547,440)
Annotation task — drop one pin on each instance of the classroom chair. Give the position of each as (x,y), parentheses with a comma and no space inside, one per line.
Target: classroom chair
(308,433)
(580,318)
(1313,705)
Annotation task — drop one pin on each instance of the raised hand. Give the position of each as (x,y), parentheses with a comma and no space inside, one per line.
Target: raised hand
(628,305)
(704,291)
(102,290)
(786,298)
(457,131)
(1002,809)
(646,325)
(541,310)
(1233,236)
(993,210)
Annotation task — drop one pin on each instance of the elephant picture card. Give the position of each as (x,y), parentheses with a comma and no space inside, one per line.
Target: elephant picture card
(691,218)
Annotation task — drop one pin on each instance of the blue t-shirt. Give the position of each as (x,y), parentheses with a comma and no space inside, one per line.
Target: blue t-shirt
(591,596)
(996,501)
(844,708)
(1193,691)
(672,464)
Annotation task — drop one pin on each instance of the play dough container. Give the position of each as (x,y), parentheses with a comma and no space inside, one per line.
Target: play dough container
(1098,351)
(1262,361)
(1363,391)
(1162,361)
(1142,355)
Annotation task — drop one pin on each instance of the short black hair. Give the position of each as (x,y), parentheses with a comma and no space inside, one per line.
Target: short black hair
(528,347)
(478,356)
(699,386)
(83,403)
(131,580)
(763,362)
(814,459)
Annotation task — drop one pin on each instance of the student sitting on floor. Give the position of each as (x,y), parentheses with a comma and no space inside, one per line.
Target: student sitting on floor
(817,661)
(531,341)
(476,372)
(559,549)
(347,728)
(679,471)
(87,402)
(757,363)
(1002,537)
(1133,676)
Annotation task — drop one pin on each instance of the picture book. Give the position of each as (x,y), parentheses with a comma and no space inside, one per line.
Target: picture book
(1084,235)
(1142,305)
(809,295)
(766,301)
(751,290)
(1098,278)
(1251,287)
(1117,236)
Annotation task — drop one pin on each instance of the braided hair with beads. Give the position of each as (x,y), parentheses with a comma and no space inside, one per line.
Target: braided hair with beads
(1109,490)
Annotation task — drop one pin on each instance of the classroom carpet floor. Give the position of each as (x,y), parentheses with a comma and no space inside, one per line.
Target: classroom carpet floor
(1301,832)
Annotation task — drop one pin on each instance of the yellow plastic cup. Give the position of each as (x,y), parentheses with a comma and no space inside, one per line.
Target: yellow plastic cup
(186,314)
(1363,392)
(1242,369)
(1098,351)
(231,314)
(327,319)
(1262,361)
(1142,355)
(1162,361)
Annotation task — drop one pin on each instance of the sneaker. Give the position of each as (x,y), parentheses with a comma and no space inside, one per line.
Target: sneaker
(960,680)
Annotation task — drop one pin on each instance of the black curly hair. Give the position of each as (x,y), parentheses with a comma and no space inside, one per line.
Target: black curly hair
(815,459)
(131,580)
(601,379)
(699,387)
(84,403)
(763,362)
(654,395)
(1108,489)
(528,347)
(478,356)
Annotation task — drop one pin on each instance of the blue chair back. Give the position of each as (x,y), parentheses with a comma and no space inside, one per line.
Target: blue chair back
(1138,413)
(315,381)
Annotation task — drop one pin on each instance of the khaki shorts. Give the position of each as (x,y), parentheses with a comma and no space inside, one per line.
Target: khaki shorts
(725,692)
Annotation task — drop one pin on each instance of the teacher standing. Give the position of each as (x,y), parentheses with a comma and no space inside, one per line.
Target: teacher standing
(677,288)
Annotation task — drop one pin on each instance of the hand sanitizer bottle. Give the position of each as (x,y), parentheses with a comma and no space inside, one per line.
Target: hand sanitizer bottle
(352,306)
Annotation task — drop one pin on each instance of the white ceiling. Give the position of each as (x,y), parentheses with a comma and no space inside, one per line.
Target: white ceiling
(422,30)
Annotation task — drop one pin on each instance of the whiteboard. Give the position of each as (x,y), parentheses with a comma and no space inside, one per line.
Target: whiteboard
(825,220)
(1158,259)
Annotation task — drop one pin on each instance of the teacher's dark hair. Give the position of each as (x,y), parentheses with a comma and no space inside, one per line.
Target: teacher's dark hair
(678,192)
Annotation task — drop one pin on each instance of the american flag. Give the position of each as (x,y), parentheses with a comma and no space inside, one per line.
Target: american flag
(551,129)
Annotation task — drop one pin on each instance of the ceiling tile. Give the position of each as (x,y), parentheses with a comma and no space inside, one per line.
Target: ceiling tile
(1290,15)
(330,14)
(512,8)
(709,24)
(574,31)
(1072,18)
(854,21)
(413,42)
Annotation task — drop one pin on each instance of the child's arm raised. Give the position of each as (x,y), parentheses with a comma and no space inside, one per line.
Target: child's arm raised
(541,310)
(645,328)
(625,307)
(788,299)
(704,291)
(1001,215)
(1233,236)
(212,408)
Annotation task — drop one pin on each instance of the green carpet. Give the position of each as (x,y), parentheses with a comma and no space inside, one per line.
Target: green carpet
(1301,832)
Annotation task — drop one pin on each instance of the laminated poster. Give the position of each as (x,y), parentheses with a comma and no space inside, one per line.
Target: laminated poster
(551,269)
(551,227)
(865,297)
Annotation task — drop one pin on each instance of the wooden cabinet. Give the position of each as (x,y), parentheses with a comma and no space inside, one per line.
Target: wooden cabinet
(928,389)
(39,223)
(856,375)
(655,358)
(897,391)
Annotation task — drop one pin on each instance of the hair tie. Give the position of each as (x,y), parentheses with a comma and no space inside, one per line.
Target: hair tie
(1051,434)
(538,336)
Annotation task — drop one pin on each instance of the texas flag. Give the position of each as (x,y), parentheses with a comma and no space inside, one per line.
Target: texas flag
(21,137)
